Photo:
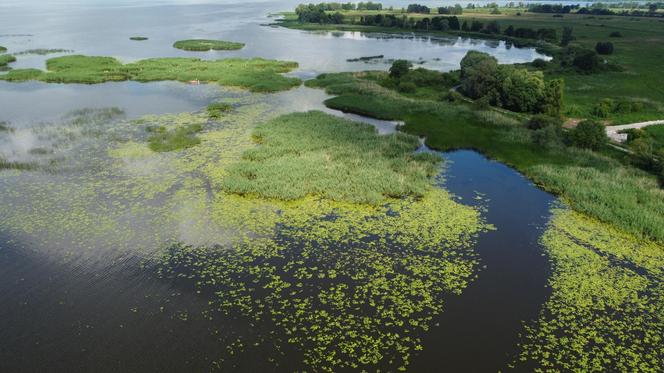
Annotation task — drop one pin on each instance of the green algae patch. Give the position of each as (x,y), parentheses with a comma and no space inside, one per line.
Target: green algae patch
(6,59)
(319,154)
(256,74)
(204,45)
(606,311)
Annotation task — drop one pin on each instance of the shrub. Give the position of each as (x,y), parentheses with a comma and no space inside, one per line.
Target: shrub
(604,47)
(548,137)
(603,108)
(400,68)
(407,87)
(539,121)
(539,63)
(586,61)
(589,134)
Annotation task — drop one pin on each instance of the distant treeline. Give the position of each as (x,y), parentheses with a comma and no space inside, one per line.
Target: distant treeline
(600,9)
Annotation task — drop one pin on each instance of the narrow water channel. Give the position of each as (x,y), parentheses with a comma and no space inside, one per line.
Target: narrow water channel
(479,330)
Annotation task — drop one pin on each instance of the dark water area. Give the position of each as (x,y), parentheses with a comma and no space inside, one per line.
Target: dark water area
(479,330)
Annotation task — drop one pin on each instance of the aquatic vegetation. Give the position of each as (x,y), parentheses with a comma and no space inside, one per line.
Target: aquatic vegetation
(606,311)
(164,140)
(350,286)
(6,59)
(5,127)
(590,182)
(204,45)
(319,154)
(216,109)
(43,51)
(343,284)
(138,38)
(3,49)
(257,75)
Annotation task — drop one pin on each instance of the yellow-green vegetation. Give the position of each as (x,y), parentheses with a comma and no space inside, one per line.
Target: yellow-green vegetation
(164,140)
(217,109)
(322,155)
(346,285)
(591,182)
(203,45)
(6,59)
(256,74)
(606,310)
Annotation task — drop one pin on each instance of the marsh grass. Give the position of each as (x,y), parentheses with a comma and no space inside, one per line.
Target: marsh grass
(595,183)
(6,59)
(165,140)
(204,45)
(217,109)
(318,154)
(138,38)
(257,74)
(42,51)
(3,49)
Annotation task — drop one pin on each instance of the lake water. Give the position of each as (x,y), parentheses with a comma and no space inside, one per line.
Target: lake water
(76,307)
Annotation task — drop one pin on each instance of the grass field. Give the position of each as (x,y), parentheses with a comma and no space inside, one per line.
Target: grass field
(595,183)
(638,52)
(257,74)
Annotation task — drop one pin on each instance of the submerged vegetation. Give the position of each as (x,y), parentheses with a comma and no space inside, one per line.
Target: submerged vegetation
(43,51)
(606,311)
(257,74)
(322,155)
(204,45)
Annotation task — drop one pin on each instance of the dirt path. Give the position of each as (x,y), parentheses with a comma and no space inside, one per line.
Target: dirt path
(613,131)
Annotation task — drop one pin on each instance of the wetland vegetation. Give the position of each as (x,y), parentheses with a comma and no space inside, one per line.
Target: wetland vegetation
(204,45)
(304,241)
(257,74)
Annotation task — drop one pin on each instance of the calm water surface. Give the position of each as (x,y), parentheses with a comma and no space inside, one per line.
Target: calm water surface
(103,313)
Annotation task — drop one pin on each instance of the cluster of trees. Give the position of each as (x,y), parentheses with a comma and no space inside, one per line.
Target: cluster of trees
(547,34)
(417,8)
(551,8)
(391,20)
(456,9)
(317,13)
(647,154)
(331,7)
(600,10)
(508,86)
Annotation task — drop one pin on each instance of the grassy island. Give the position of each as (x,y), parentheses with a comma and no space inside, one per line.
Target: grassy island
(204,45)
(6,59)
(257,74)
(138,38)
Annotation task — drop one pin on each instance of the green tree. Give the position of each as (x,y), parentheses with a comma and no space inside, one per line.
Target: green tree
(589,134)
(400,68)
(479,73)
(567,36)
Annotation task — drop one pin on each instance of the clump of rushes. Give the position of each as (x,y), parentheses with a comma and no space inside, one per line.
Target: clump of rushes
(322,155)
(216,110)
(3,49)
(204,45)
(165,140)
(6,59)
(256,74)
(138,38)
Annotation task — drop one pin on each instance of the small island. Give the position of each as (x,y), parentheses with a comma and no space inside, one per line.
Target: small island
(138,38)
(204,45)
